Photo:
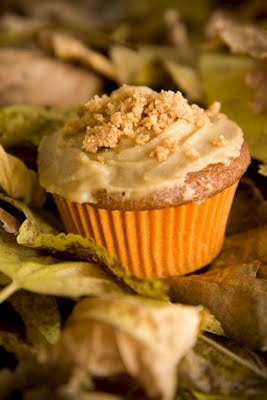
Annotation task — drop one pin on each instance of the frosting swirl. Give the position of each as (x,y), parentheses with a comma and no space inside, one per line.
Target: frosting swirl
(136,165)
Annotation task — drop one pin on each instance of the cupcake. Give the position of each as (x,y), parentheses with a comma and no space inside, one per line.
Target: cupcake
(148,176)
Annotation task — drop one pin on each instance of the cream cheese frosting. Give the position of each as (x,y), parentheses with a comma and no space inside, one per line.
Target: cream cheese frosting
(68,169)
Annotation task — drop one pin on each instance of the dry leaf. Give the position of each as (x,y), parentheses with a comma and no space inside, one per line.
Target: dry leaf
(239,37)
(28,76)
(235,294)
(10,223)
(244,247)
(145,339)
(247,198)
(18,181)
(30,270)
(223,368)
(186,78)
(37,234)
(71,49)
(40,316)
(257,80)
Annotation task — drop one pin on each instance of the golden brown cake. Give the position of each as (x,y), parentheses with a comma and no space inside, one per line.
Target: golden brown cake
(148,176)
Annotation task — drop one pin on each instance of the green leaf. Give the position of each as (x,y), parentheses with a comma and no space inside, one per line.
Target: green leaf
(30,270)
(186,79)
(224,80)
(40,316)
(18,181)
(27,124)
(35,233)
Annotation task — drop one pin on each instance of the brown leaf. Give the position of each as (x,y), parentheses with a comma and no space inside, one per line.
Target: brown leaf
(247,198)
(28,76)
(145,339)
(224,368)
(257,80)
(235,294)
(71,49)
(244,247)
(10,223)
(239,37)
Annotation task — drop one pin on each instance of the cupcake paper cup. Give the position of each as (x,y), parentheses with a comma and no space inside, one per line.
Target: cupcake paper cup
(155,243)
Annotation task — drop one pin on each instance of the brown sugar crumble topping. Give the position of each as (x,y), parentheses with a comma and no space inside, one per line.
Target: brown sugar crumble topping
(192,153)
(134,112)
(218,141)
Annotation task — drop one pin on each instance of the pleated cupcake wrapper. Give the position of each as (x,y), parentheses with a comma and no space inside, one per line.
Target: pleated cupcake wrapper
(155,243)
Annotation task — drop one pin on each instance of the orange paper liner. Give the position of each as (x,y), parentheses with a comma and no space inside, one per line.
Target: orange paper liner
(155,243)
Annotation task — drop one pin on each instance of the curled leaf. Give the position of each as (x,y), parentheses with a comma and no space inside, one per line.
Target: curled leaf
(239,37)
(68,48)
(19,182)
(31,270)
(29,77)
(144,339)
(10,223)
(236,295)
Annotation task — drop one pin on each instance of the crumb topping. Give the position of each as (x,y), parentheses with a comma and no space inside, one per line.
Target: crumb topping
(218,141)
(134,112)
(192,153)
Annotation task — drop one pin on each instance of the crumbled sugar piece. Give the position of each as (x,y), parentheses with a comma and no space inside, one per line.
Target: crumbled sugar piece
(161,153)
(134,112)
(218,141)
(192,153)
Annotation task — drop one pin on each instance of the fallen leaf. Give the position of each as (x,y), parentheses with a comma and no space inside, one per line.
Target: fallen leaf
(222,369)
(35,233)
(29,269)
(244,247)
(223,78)
(18,181)
(240,37)
(143,338)
(26,124)
(27,76)
(40,316)
(77,247)
(10,223)
(257,80)
(186,79)
(69,48)
(248,197)
(12,343)
(235,294)
(128,61)
(263,169)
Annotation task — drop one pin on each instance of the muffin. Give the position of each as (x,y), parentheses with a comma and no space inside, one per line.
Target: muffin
(148,176)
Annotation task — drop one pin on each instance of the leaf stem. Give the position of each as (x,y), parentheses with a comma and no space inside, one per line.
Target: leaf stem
(8,291)
(235,357)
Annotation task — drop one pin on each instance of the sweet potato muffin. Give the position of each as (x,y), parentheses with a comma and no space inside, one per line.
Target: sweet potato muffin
(148,176)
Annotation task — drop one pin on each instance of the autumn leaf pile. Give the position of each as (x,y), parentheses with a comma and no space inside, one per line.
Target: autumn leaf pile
(73,323)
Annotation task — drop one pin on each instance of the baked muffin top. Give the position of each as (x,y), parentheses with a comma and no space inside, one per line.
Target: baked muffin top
(138,144)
